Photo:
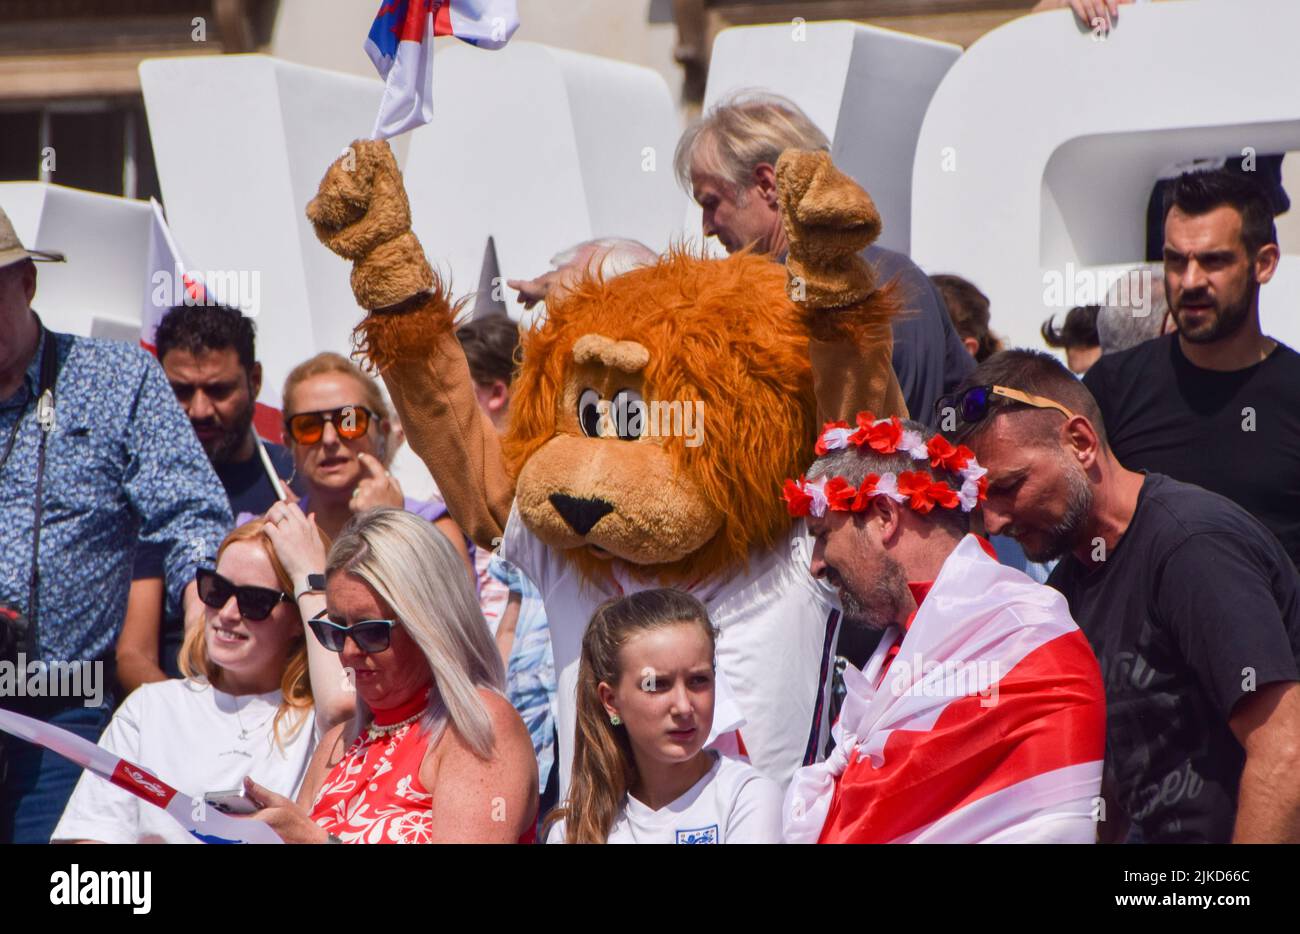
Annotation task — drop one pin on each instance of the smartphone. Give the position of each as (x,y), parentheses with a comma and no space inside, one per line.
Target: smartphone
(230,802)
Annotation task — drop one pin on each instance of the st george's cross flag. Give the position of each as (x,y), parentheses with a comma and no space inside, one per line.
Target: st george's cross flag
(400,44)
(984,722)
(206,824)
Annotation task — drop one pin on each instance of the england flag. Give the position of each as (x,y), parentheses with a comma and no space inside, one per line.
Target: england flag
(401,46)
(983,722)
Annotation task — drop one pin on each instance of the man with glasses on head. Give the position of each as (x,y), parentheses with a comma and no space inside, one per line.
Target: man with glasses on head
(95,456)
(1191,605)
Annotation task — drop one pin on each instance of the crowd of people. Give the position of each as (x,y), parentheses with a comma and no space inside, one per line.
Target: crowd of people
(293,638)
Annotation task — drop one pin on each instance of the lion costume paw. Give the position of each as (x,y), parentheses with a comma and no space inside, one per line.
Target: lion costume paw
(828,220)
(361,212)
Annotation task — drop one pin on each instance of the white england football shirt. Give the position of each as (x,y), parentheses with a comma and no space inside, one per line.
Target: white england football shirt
(732,803)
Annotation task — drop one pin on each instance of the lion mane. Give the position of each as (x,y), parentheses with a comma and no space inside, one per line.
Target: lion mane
(721,331)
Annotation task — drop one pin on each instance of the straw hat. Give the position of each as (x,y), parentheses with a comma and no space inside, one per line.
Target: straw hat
(11,248)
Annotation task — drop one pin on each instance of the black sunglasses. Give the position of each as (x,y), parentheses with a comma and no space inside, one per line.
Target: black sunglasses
(255,603)
(972,405)
(371,636)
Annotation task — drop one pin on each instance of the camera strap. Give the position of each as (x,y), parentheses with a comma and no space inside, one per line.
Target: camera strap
(45,418)
(49,372)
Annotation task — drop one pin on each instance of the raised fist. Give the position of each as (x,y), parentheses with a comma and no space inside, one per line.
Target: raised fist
(361,213)
(828,220)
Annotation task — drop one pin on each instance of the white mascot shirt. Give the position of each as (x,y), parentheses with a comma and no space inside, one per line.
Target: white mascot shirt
(777,627)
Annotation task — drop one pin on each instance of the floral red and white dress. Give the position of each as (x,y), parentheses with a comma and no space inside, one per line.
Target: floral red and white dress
(374,794)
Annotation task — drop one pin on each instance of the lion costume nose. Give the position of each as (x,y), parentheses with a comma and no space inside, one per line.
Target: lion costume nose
(581,514)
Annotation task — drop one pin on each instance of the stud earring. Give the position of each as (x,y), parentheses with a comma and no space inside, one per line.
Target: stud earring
(615,720)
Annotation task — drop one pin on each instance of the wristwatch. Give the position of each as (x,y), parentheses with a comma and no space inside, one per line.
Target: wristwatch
(315,584)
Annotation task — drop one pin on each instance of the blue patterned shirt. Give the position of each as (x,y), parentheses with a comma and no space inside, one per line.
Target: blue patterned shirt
(530,675)
(122,465)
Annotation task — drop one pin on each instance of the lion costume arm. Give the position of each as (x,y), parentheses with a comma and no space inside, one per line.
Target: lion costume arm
(828,221)
(361,213)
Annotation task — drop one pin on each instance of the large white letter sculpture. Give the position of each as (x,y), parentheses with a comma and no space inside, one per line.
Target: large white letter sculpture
(1042,143)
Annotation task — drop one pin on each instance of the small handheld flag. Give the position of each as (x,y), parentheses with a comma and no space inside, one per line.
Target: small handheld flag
(169,282)
(400,44)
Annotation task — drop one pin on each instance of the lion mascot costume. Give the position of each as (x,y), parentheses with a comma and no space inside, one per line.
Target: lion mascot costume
(591,506)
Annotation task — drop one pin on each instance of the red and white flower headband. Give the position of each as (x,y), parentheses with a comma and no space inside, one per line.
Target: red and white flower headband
(914,487)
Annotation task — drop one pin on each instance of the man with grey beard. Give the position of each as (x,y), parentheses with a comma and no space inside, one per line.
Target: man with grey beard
(1191,605)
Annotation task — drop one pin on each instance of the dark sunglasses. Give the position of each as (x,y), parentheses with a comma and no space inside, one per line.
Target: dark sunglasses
(255,603)
(371,636)
(350,421)
(972,405)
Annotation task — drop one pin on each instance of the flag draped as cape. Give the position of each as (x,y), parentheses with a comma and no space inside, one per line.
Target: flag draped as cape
(988,726)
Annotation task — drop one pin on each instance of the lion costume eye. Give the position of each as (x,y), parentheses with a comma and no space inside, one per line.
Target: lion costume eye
(589,413)
(629,414)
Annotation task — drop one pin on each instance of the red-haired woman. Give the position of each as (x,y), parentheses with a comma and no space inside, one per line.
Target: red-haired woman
(258,693)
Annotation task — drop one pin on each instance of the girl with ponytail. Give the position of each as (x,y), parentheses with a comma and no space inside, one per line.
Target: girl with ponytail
(641,773)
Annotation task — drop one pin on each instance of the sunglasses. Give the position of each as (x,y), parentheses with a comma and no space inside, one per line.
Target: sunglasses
(255,603)
(371,636)
(972,405)
(350,421)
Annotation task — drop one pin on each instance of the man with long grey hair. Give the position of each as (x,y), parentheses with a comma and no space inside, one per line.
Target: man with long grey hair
(727,163)
(1134,312)
(441,756)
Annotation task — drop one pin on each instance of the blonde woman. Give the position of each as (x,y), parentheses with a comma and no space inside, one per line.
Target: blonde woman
(256,696)
(439,756)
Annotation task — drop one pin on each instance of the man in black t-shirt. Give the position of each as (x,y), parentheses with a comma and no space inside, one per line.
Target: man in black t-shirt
(1191,605)
(1218,403)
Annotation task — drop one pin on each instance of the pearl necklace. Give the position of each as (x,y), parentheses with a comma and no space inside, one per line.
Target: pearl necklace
(374,731)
